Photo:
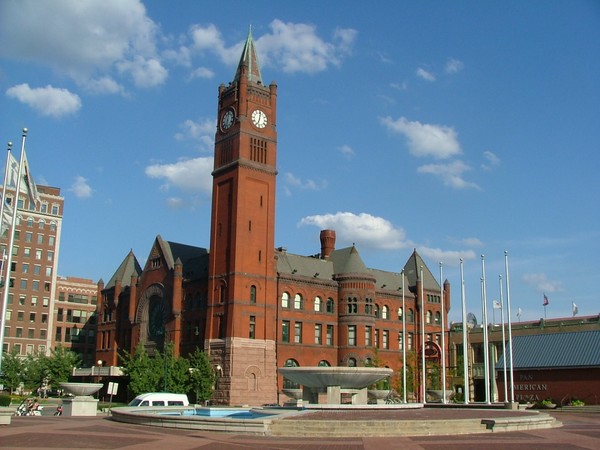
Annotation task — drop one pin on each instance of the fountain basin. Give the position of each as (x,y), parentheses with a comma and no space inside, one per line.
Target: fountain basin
(80,389)
(344,377)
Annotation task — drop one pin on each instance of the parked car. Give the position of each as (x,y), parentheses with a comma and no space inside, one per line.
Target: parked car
(160,399)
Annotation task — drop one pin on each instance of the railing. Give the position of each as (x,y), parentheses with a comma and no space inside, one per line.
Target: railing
(110,371)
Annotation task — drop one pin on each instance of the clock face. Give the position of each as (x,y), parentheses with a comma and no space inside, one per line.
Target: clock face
(259,119)
(227,119)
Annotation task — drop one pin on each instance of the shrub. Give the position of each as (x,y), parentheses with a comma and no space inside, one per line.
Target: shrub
(577,403)
(5,400)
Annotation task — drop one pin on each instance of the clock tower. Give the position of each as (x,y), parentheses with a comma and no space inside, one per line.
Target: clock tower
(242,293)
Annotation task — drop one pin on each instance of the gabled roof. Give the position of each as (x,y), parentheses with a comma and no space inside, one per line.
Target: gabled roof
(249,59)
(412,270)
(308,266)
(555,350)
(128,267)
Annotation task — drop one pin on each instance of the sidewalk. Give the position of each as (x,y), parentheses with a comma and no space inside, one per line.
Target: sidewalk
(580,431)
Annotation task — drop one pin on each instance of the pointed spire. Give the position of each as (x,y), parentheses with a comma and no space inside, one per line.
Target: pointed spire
(249,61)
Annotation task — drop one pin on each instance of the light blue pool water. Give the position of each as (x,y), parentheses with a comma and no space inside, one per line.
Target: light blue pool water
(224,413)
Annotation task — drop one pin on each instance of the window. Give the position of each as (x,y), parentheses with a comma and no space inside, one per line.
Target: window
(400,312)
(318,304)
(298,332)
(32,317)
(285,331)
(19,332)
(400,341)
(330,305)
(58,335)
(386,339)
(369,306)
(30,222)
(438,317)
(329,336)
(38,254)
(351,362)
(50,256)
(55,209)
(252,294)
(51,240)
(298,301)
(428,317)
(22,300)
(44,318)
(285,300)
(385,312)
(45,302)
(410,316)
(377,312)
(31,333)
(27,252)
(368,331)
(318,333)
(20,316)
(40,239)
(59,315)
(409,344)
(28,236)
(48,271)
(23,284)
(252,330)
(376,338)
(352,335)
(352,305)
(25,268)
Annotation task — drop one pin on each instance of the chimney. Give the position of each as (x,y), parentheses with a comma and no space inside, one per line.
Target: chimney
(327,243)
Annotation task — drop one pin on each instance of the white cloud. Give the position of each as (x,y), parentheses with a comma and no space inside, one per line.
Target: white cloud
(469,241)
(451,174)
(424,74)
(492,160)
(145,72)
(346,150)
(363,229)
(437,141)
(448,257)
(104,85)
(295,47)
(82,39)
(193,175)
(541,283)
(175,203)
(49,101)
(81,188)
(309,184)
(453,66)
(201,72)
(202,132)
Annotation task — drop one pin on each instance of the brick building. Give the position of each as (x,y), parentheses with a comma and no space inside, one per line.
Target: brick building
(75,317)
(29,323)
(254,307)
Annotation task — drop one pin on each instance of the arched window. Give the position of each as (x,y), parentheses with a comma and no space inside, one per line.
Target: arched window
(428,317)
(410,316)
(330,305)
(318,304)
(377,312)
(368,306)
(324,363)
(288,384)
(285,300)
(400,312)
(385,312)
(252,294)
(438,317)
(351,362)
(298,302)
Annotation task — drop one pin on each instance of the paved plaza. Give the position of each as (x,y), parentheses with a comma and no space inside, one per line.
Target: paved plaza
(579,431)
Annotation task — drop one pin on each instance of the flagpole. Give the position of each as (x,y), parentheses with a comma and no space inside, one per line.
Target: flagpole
(6,172)
(403,341)
(503,340)
(10,247)
(466,386)
(510,348)
(423,379)
(443,338)
(486,356)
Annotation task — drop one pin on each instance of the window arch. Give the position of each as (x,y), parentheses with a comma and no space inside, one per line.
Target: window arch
(330,305)
(351,362)
(318,304)
(298,303)
(285,300)
(288,384)
(324,363)
(385,312)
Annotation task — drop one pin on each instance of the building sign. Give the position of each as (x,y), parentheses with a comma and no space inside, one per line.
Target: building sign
(527,390)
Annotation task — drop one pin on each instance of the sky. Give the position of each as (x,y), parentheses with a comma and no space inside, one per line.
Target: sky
(461,129)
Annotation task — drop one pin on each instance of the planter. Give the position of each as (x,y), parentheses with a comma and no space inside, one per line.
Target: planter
(6,412)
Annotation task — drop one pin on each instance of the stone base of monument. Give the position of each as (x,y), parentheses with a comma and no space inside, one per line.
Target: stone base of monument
(80,406)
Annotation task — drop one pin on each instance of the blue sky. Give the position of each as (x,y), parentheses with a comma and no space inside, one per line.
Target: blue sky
(460,129)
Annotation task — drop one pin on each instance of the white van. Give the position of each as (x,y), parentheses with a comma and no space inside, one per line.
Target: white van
(160,399)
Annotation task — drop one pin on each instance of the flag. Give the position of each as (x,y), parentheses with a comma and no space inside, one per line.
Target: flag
(13,171)
(30,188)
(519,312)
(575,309)
(497,304)
(7,213)
(546,301)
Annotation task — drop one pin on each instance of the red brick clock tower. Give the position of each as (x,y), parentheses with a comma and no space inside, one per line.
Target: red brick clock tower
(242,292)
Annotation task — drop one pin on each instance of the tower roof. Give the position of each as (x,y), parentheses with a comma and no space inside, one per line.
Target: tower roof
(249,60)
(128,267)
(412,269)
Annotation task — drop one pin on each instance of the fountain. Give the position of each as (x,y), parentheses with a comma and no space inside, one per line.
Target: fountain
(351,381)
(82,403)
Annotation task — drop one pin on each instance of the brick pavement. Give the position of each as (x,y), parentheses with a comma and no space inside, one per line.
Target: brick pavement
(579,431)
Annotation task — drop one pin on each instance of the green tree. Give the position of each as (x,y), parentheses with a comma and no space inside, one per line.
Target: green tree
(34,371)
(12,370)
(145,373)
(58,367)
(175,372)
(202,376)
